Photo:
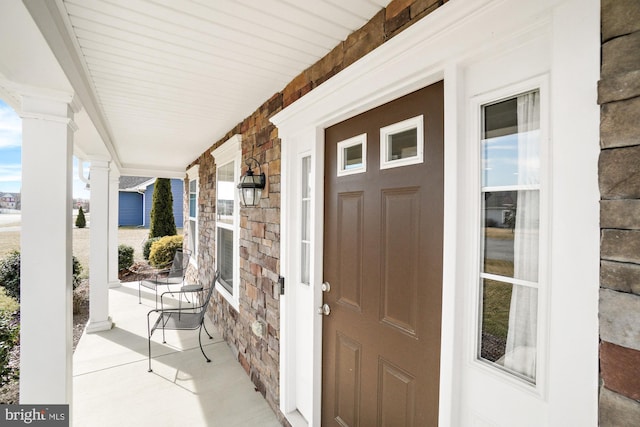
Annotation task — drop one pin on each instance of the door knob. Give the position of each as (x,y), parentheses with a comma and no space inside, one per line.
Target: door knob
(325,309)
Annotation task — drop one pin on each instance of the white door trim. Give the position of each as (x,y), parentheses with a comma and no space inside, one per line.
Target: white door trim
(441,46)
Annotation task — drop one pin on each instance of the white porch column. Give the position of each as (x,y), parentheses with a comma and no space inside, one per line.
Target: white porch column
(46,336)
(114,183)
(99,319)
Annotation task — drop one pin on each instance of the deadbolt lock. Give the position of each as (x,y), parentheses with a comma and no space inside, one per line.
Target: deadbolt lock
(326,287)
(324,310)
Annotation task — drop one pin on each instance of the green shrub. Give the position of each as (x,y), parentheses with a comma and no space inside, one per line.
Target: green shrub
(125,257)
(10,274)
(9,336)
(162,221)
(163,251)
(81,222)
(77,270)
(146,246)
(8,303)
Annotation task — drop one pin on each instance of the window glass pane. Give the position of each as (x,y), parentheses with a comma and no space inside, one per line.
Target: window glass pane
(306,177)
(402,145)
(225,193)
(306,216)
(225,258)
(511,142)
(509,327)
(306,263)
(192,198)
(192,205)
(192,237)
(511,233)
(353,157)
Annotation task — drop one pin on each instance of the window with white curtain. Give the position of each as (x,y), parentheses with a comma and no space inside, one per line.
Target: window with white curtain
(510,194)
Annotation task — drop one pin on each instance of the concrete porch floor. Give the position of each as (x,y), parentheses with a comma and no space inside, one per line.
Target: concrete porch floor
(112,388)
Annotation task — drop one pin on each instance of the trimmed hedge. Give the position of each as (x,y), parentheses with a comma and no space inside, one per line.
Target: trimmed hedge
(146,246)
(163,251)
(125,257)
(10,273)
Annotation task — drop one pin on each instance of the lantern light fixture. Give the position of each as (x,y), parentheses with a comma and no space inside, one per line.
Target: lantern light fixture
(251,185)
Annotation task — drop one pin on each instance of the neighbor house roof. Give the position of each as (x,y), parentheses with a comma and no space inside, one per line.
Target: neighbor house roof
(133,183)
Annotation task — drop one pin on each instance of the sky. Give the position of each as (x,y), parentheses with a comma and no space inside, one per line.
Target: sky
(11,160)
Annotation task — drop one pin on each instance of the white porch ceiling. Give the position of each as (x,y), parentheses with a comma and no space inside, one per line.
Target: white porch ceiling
(164,79)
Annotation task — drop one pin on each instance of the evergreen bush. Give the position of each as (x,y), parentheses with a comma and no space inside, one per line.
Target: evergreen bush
(125,257)
(163,251)
(10,273)
(162,221)
(146,246)
(81,222)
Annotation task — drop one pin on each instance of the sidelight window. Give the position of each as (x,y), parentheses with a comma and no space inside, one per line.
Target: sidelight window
(305,232)
(510,234)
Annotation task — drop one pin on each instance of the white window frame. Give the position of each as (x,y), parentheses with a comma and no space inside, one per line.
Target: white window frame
(231,151)
(193,176)
(347,143)
(385,132)
(538,388)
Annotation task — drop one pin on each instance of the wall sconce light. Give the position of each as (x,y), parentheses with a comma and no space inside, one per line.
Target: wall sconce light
(251,186)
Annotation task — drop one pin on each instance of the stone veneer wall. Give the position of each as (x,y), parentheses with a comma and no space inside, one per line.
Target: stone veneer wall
(619,177)
(260,227)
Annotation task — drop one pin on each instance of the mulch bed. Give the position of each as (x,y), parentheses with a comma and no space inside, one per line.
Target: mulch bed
(9,392)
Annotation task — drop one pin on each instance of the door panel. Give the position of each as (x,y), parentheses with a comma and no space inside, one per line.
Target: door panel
(383,260)
(348,375)
(400,215)
(350,241)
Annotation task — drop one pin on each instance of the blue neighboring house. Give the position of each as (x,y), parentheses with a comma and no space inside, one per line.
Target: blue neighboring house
(135,196)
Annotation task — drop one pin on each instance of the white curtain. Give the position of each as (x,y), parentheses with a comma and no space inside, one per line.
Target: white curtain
(520,354)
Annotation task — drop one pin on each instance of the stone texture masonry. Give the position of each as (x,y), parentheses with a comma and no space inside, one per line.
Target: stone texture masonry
(260,227)
(619,96)
(619,178)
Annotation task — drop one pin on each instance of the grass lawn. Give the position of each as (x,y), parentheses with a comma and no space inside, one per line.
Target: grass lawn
(499,233)
(131,236)
(497,299)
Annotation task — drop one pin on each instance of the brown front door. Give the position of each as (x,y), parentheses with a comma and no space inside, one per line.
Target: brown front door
(383,261)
